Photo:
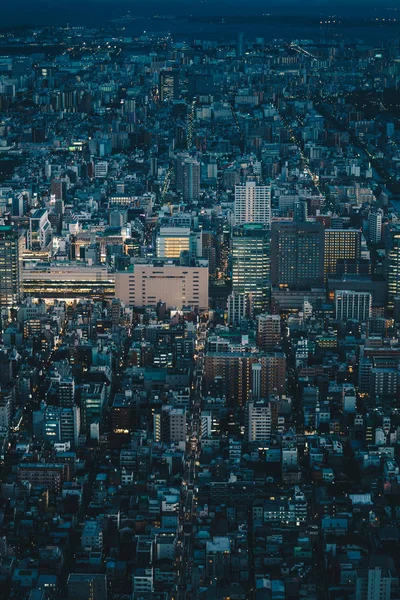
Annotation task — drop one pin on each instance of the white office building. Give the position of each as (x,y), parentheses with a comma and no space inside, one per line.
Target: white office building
(253,203)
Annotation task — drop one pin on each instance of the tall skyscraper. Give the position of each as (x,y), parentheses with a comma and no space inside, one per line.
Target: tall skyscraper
(297,253)
(353,305)
(240,46)
(340,244)
(253,203)
(11,247)
(258,421)
(251,264)
(188,178)
(169,85)
(393,263)
(375,226)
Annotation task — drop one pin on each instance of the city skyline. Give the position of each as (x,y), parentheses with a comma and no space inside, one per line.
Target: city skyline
(199,300)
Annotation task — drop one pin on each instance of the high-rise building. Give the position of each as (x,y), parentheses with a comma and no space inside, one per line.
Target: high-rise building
(238,377)
(170,424)
(393,263)
(238,308)
(92,404)
(11,247)
(353,305)
(300,210)
(57,424)
(59,188)
(172,241)
(258,421)
(375,226)
(209,250)
(268,331)
(253,203)
(340,244)
(251,264)
(39,234)
(240,46)
(187,176)
(169,85)
(373,584)
(297,254)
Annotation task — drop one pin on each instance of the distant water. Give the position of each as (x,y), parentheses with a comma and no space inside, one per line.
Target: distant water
(297,19)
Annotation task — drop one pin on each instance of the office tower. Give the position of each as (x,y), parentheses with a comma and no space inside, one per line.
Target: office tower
(238,308)
(297,254)
(240,46)
(373,583)
(92,404)
(340,244)
(11,247)
(187,176)
(57,424)
(375,226)
(253,203)
(170,424)
(209,250)
(172,241)
(393,263)
(66,390)
(258,421)
(59,188)
(169,85)
(70,425)
(39,234)
(300,211)
(268,332)
(153,166)
(101,169)
(251,264)
(19,205)
(83,586)
(353,305)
